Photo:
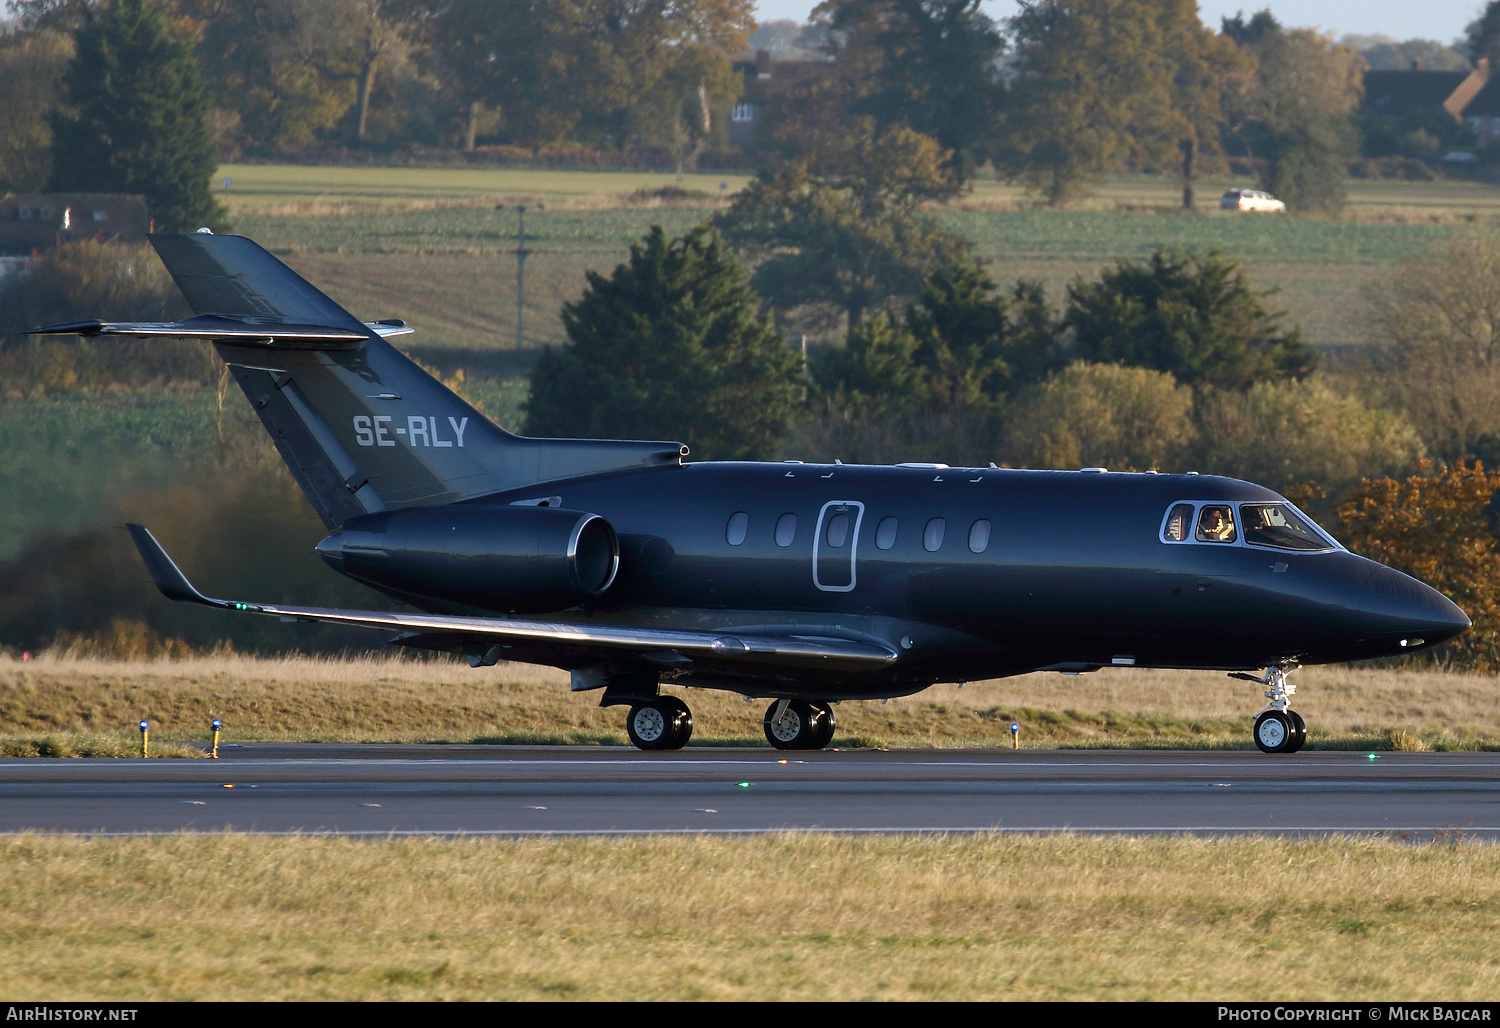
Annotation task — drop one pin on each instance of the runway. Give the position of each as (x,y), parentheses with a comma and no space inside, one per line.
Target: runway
(512,790)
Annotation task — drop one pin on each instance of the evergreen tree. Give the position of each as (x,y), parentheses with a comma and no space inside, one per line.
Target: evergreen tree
(978,345)
(1190,314)
(874,372)
(137,119)
(671,346)
(963,345)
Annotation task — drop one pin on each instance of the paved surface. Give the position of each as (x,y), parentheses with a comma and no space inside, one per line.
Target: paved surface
(379,789)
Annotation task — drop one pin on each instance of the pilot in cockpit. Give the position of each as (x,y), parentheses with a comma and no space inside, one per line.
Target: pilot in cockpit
(1215,525)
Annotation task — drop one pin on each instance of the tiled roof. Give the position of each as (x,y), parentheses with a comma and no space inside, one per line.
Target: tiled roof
(1397,92)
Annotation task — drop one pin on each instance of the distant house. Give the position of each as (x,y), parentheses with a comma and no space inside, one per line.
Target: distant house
(1393,94)
(1476,103)
(765,80)
(40,221)
(1470,98)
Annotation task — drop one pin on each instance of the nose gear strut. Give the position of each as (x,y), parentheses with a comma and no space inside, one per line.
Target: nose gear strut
(1278,728)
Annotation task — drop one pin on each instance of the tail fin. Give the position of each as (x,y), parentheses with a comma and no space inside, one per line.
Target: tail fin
(361,426)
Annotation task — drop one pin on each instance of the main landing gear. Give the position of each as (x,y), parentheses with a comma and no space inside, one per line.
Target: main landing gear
(664,723)
(1278,728)
(799,725)
(658,722)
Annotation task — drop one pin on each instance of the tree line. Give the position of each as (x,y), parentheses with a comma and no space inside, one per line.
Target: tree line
(1055,97)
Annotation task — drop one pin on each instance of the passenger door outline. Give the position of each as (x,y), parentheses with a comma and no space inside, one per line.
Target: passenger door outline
(837,507)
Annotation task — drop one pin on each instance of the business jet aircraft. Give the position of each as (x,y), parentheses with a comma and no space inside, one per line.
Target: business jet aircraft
(805,584)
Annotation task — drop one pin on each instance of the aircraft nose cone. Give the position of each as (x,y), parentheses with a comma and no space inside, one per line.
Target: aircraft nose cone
(1413,614)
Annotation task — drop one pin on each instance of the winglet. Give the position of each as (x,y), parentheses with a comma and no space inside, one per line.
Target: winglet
(168,577)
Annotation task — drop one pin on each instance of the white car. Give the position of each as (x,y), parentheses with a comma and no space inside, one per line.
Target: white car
(1250,200)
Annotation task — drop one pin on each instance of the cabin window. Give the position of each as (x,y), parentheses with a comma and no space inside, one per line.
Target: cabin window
(979,536)
(1179,523)
(932,535)
(786,529)
(1215,524)
(739,524)
(885,534)
(837,532)
(1275,524)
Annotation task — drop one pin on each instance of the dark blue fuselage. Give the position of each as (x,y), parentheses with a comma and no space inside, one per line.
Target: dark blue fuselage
(1069,572)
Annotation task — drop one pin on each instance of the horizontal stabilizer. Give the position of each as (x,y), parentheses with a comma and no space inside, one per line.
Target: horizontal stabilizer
(276,334)
(820,651)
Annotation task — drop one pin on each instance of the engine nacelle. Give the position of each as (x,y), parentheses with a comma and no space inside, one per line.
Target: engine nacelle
(504,559)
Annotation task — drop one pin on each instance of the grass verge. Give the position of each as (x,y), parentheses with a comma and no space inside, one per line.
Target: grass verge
(779,917)
(400,699)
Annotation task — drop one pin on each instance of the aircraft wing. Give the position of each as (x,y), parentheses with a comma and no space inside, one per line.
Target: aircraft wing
(796,650)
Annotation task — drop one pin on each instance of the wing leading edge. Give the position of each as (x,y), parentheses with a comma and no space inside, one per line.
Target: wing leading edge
(820,651)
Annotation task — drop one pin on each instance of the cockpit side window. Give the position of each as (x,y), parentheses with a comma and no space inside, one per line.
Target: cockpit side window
(1276,524)
(1179,523)
(1215,524)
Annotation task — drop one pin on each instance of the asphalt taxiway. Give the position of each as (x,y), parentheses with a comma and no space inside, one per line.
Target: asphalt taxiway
(479,790)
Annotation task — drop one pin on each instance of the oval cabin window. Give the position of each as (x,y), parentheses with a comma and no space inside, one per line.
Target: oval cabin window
(786,529)
(932,535)
(979,536)
(739,524)
(838,531)
(885,534)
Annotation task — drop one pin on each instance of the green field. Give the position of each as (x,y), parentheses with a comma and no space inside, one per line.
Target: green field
(429,244)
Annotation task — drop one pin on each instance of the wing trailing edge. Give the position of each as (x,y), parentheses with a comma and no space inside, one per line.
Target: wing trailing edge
(791,650)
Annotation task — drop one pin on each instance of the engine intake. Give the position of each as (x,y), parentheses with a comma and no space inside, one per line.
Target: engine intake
(504,559)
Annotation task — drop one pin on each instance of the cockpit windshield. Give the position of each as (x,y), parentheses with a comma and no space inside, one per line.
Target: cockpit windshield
(1275,524)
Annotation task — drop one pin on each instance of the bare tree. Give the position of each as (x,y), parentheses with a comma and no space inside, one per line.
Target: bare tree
(1441,317)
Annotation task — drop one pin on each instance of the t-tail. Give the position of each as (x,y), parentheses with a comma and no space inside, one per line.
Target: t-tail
(360,425)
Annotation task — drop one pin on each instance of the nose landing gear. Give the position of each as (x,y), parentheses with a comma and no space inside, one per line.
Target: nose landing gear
(1278,728)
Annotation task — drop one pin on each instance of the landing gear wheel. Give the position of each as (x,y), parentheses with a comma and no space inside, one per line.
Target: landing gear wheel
(663,724)
(1299,731)
(797,728)
(1275,732)
(826,723)
(681,720)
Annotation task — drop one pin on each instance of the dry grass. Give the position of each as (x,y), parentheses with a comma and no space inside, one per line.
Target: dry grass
(789,917)
(400,699)
(300,189)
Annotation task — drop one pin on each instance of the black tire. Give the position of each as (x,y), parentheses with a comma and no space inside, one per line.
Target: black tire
(1299,731)
(1274,732)
(795,730)
(650,726)
(826,723)
(681,720)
